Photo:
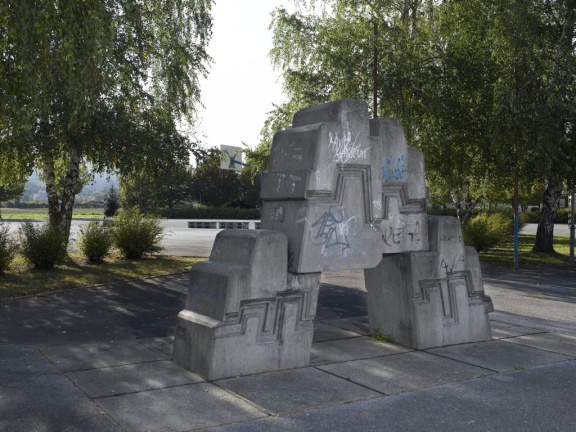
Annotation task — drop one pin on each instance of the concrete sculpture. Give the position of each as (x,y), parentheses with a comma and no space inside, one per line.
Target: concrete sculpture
(342,192)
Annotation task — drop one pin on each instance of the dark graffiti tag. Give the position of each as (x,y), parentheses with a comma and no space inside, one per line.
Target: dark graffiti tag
(449,266)
(394,236)
(331,229)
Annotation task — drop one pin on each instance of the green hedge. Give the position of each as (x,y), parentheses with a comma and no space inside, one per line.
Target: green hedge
(531,216)
(190,212)
(562,216)
(485,230)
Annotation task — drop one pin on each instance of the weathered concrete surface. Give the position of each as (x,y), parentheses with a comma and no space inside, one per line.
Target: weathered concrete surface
(244,312)
(346,192)
(430,299)
(323,188)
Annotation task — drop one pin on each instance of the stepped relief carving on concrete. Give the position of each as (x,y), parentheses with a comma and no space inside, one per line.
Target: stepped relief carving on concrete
(342,192)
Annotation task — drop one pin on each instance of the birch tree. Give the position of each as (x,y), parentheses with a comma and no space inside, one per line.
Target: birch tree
(98,81)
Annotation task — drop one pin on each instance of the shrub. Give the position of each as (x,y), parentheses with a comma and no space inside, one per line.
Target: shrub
(486,230)
(530,217)
(42,246)
(111,202)
(136,234)
(95,241)
(8,247)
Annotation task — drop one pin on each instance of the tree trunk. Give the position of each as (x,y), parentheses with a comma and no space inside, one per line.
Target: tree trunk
(54,217)
(69,192)
(60,208)
(545,233)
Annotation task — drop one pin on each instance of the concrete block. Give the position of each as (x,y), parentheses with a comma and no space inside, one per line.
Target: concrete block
(244,313)
(421,303)
(323,189)
(343,192)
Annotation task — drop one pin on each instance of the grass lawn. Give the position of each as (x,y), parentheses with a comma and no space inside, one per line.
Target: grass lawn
(504,252)
(42,213)
(21,280)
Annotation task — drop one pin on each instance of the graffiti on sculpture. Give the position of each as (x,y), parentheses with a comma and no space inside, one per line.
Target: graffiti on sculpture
(342,192)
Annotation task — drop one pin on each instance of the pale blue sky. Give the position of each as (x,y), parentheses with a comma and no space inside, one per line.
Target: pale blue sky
(242,84)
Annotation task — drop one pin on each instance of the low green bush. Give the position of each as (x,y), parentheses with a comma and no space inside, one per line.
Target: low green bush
(136,234)
(8,247)
(95,241)
(562,216)
(486,230)
(43,246)
(530,217)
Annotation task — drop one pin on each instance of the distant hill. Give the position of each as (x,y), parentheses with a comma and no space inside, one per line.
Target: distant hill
(35,189)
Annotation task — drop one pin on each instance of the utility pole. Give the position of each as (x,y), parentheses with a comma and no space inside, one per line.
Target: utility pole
(375,72)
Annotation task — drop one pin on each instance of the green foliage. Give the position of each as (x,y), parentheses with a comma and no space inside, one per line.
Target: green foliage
(381,338)
(95,241)
(202,212)
(136,234)
(562,216)
(480,87)
(486,230)
(11,189)
(214,186)
(166,186)
(103,82)
(8,247)
(42,246)
(111,202)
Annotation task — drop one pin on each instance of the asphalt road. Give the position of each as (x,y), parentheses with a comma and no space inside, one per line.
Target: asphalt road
(179,240)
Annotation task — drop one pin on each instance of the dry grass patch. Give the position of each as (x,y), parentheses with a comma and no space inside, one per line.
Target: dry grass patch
(76,272)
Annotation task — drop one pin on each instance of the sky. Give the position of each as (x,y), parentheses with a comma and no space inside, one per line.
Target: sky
(241,85)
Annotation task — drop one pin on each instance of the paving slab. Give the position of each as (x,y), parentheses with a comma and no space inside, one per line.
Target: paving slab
(501,330)
(499,356)
(555,342)
(118,380)
(47,402)
(351,349)
(404,372)
(296,390)
(326,332)
(355,324)
(533,400)
(128,310)
(23,360)
(181,408)
(160,345)
(336,302)
(69,358)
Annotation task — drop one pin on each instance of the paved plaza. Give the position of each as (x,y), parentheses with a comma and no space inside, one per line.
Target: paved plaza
(98,359)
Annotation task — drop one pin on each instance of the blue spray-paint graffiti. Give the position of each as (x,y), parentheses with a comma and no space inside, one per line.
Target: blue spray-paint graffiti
(394,169)
(331,229)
